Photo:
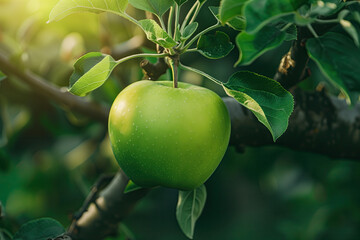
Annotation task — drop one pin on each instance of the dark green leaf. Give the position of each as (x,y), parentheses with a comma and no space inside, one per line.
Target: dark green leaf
(215,46)
(254,45)
(189,30)
(338,58)
(40,229)
(180,2)
(230,9)
(66,7)
(189,208)
(156,34)
(266,98)
(158,7)
(356,17)
(258,13)
(351,30)
(91,71)
(291,33)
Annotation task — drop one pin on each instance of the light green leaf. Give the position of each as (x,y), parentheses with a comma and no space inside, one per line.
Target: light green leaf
(338,58)
(66,7)
(215,46)
(39,229)
(266,98)
(131,187)
(189,208)
(158,7)
(156,34)
(189,30)
(238,23)
(91,71)
(259,13)
(251,46)
(230,9)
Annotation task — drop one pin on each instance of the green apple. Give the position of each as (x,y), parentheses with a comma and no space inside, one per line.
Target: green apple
(170,137)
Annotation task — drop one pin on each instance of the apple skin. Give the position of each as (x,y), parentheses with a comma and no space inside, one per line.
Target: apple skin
(170,137)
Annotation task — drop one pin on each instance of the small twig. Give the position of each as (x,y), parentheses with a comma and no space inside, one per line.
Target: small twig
(104,214)
(153,71)
(292,68)
(101,182)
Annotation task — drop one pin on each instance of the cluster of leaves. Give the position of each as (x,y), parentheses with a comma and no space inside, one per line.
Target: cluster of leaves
(262,26)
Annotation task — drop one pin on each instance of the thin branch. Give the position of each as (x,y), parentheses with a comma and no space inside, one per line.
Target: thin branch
(104,214)
(60,96)
(154,71)
(293,66)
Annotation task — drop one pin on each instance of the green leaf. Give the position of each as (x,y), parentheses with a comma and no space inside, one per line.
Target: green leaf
(91,71)
(131,187)
(158,7)
(338,58)
(259,13)
(2,76)
(215,46)
(230,9)
(251,46)
(238,22)
(325,7)
(178,33)
(39,229)
(266,98)
(351,30)
(156,34)
(180,2)
(66,7)
(189,208)
(291,33)
(189,30)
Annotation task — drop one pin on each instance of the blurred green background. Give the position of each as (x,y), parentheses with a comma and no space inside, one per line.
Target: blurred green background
(50,157)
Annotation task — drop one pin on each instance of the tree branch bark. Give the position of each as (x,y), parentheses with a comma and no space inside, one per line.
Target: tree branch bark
(319,124)
(103,215)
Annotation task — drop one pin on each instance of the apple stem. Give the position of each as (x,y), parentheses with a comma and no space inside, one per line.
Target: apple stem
(174,64)
(175,72)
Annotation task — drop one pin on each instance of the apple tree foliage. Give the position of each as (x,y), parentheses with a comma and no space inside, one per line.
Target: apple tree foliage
(261,25)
